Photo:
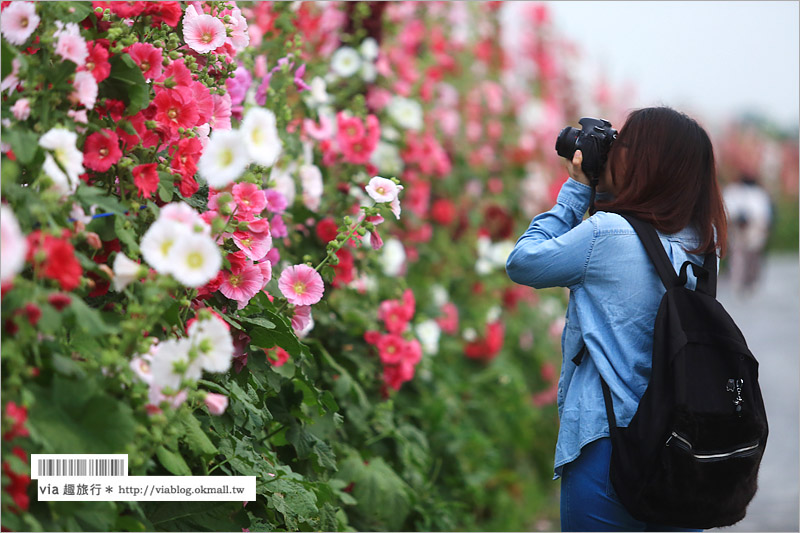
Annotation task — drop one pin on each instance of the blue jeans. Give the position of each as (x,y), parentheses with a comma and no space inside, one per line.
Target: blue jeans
(589,501)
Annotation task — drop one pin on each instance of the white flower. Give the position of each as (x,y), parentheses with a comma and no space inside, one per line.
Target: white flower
(469,334)
(368,72)
(195,259)
(393,257)
(405,113)
(387,158)
(382,190)
(493,314)
(62,143)
(141,367)
(172,363)
(183,213)
(345,61)
(158,241)
(224,159)
(439,295)
(318,95)
(284,183)
(13,245)
(18,22)
(213,342)
(483,266)
(369,49)
(428,333)
(260,135)
(85,89)
(125,271)
(311,180)
(499,252)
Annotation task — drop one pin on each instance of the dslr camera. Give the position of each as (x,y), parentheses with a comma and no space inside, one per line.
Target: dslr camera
(594,140)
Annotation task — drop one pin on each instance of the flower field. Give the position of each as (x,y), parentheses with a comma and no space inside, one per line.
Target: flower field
(269,239)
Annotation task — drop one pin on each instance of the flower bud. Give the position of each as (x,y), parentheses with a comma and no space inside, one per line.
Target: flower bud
(170,82)
(93,240)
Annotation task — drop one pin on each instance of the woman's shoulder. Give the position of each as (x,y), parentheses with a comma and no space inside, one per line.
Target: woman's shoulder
(606,223)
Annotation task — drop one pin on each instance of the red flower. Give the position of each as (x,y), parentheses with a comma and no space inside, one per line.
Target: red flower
(113,108)
(499,223)
(179,72)
(60,263)
(344,271)
(97,61)
(148,58)
(175,108)
(145,177)
(203,102)
(185,155)
(18,483)
(59,300)
(167,12)
(327,229)
(277,356)
(32,313)
(19,415)
(488,347)
(443,211)
(101,150)
(126,10)
(188,186)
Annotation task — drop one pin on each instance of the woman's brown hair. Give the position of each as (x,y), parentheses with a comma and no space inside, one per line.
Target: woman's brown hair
(663,169)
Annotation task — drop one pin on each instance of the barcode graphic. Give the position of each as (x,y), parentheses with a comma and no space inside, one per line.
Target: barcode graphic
(81,467)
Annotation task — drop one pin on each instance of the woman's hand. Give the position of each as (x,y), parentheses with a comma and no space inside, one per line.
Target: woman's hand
(574,168)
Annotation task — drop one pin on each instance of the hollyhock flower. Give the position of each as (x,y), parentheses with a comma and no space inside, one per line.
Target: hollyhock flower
(183,213)
(406,113)
(278,227)
(167,12)
(157,242)
(179,72)
(157,397)
(225,158)
(84,89)
(202,33)
(13,246)
(327,230)
(393,258)
(382,190)
(298,79)
(101,150)
(96,61)
(185,155)
(394,316)
(266,272)
(311,181)
(221,114)
(125,271)
(21,109)
(249,198)
(195,260)
(443,211)
(216,403)
(260,135)
(148,58)
(241,284)
(17,487)
(212,338)
(203,101)
(145,177)
(238,85)
(18,22)
(19,415)
(70,45)
(254,245)
(62,143)
(142,369)
(301,285)
(172,363)
(395,375)
(428,332)
(127,9)
(345,61)
(239,36)
(284,183)
(325,130)
(276,202)
(301,318)
(387,158)
(175,108)
(59,300)
(60,263)
(278,357)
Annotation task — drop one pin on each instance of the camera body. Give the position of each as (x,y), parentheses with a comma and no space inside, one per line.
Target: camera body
(594,141)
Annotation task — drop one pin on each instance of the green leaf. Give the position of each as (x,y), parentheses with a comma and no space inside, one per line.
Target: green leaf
(258,321)
(89,196)
(126,83)
(88,321)
(60,72)
(126,236)
(25,144)
(194,436)
(173,462)
(75,11)
(7,55)
(382,496)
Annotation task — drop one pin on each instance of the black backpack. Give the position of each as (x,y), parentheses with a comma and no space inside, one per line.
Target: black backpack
(690,456)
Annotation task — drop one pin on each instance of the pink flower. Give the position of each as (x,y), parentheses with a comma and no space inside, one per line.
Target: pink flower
(85,89)
(280,356)
(238,85)
(250,198)
(301,285)
(216,403)
(449,322)
(149,59)
(18,22)
(301,318)
(70,44)
(266,272)
(278,227)
(395,375)
(241,284)
(221,116)
(276,201)
(145,178)
(21,109)
(319,132)
(203,33)
(254,245)
(391,348)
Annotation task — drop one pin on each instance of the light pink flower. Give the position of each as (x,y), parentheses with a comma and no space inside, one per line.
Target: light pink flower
(221,116)
(13,245)
(18,22)
(85,89)
(242,284)
(203,33)
(141,367)
(382,190)
(21,109)
(250,199)
(70,44)
(78,116)
(301,285)
(276,201)
(266,272)
(254,245)
(156,397)
(278,227)
(301,318)
(319,132)
(240,38)
(216,403)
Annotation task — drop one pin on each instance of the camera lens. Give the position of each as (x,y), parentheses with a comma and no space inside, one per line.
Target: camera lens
(565,144)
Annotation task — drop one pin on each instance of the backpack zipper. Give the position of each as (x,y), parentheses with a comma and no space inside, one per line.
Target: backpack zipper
(744,451)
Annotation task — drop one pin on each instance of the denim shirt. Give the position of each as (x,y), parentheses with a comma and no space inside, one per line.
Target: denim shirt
(614,296)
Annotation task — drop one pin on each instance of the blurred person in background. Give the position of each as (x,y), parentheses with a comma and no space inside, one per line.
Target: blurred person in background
(750,215)
(661,170)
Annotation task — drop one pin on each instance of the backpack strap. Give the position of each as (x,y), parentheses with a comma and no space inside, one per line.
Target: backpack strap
(612,420)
